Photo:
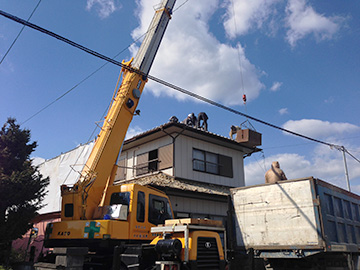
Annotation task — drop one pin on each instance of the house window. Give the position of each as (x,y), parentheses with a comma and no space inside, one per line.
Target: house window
(147,162)
(208,162)
(155,160)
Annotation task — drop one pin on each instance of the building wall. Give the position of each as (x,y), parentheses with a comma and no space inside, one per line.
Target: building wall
(198,208)
(130,157)
(184,162)
(23,244)
(183,153)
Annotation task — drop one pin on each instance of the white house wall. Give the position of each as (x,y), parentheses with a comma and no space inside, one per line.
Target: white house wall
(131,155)
(184,162)
(198,207)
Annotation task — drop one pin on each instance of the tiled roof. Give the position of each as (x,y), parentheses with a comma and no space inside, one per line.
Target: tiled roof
(189,128)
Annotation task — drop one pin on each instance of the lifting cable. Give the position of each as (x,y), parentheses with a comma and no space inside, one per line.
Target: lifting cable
(239,58)
(170,85)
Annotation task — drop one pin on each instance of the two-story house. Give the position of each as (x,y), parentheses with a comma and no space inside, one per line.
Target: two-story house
(196,168)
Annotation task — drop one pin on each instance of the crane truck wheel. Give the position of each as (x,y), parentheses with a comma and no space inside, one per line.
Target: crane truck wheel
(123,267)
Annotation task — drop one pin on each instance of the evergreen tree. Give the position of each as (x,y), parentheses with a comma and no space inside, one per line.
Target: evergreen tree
(22,187)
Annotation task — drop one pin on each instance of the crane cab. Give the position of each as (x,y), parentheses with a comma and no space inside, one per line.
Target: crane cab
(127,215)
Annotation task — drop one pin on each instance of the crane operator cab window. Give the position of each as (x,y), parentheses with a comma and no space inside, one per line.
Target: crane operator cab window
(159,209)
(118,208)
(120,198)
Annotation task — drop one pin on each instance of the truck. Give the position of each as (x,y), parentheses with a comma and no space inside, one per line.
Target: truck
(303,223)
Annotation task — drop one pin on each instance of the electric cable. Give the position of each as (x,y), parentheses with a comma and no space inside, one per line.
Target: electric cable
(180,6)
(91,74)
(75,86)
(12,44)
(170,85)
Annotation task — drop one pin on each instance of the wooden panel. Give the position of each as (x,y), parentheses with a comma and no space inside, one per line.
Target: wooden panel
(120,172)
(165,157)
(142,164)
(194,221)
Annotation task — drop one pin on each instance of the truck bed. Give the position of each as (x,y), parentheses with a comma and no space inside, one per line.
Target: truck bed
(301,214)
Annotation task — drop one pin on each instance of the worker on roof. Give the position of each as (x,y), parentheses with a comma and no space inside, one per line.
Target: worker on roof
(202,117)
(190,120)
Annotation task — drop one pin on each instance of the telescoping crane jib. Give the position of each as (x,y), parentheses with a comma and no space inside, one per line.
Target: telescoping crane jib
(82,199)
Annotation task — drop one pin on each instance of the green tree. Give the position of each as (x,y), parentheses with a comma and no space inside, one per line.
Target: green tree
(22,187)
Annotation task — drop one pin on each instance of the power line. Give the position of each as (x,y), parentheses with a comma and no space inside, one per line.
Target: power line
(12,44)
(93,73)
(76,85)
(170,85)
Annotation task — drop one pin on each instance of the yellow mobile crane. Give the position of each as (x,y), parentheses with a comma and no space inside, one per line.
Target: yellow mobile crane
(110,225)
(95,213)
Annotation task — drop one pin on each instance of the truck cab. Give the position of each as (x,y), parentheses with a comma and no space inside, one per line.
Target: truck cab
(190,244)
(127,214)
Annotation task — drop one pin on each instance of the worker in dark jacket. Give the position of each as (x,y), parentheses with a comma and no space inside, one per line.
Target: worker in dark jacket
(202,117)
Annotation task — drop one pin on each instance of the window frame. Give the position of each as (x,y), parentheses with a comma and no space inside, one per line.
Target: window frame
(220,168)
(140,208)
(167,214)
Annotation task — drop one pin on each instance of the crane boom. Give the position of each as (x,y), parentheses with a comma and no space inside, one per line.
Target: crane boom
(147,51)
(82,199)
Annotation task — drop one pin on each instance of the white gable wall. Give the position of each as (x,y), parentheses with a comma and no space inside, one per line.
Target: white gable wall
(184,162)
(131,155)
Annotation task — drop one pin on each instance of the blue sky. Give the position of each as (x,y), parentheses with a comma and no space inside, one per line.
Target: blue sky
(299,67)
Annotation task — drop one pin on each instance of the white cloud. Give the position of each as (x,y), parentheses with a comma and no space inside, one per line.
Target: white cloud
(248,15)
(318,128)
(283,111)
(303,20)
(328,166)
(321,162)
(104,8)
(276,86)
(329,100)
(133,131)
(191,57)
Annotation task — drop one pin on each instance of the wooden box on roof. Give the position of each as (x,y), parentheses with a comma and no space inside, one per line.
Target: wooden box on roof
(248,137)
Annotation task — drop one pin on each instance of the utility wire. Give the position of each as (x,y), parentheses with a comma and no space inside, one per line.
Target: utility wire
(351,155)
(91,74)
(170,85)
(12,44)
(78,84)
